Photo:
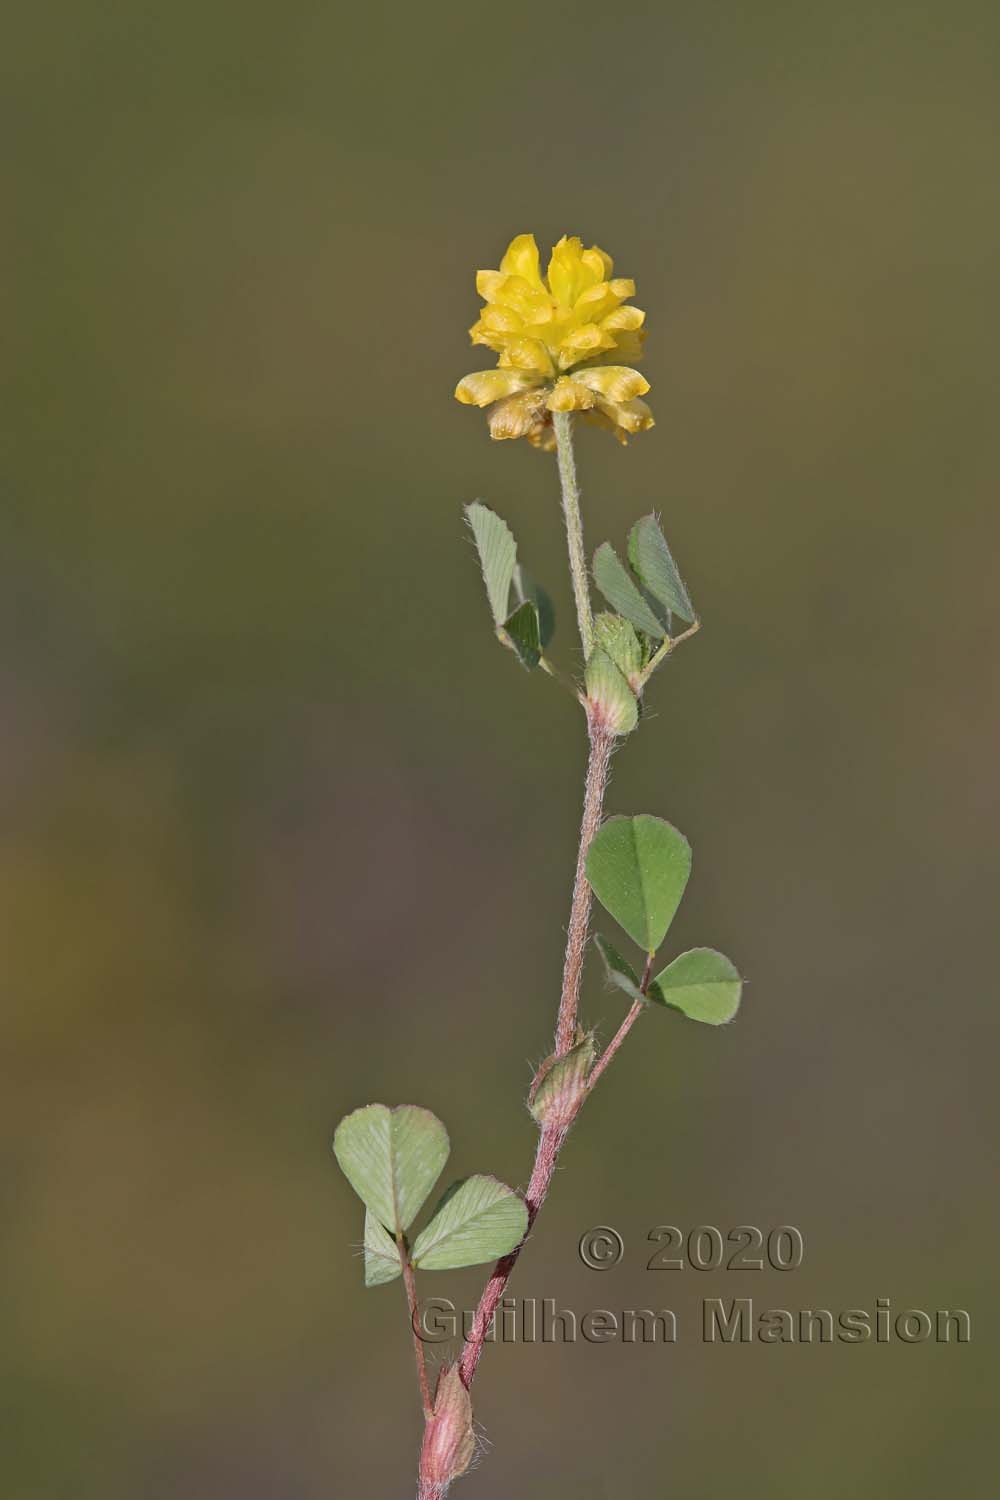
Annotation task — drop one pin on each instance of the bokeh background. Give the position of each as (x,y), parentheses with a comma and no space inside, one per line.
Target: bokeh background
(285,831)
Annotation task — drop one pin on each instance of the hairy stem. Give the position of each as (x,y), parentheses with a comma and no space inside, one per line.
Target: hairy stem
(552,1136)
(410,1284)
(562,421)
(598,765)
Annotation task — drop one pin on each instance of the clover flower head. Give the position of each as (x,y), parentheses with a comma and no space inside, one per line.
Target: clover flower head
(565,343)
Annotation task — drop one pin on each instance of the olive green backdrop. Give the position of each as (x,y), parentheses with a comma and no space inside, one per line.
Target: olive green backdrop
(285,831)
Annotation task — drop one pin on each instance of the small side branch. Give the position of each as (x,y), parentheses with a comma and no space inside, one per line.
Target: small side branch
(409,1282)
(669,645)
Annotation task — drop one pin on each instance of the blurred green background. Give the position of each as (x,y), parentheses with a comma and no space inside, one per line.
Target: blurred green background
(285,831)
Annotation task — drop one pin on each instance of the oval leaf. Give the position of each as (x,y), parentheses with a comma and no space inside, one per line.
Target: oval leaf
(650,557)
(701,983)
(382,1262)
(392,1158)
(616,584)
(477,1219)
(497,556)
(638,868)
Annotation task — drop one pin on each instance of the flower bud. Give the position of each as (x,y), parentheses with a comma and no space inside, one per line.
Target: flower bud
(610,701)
(449,1443)
(561,1083)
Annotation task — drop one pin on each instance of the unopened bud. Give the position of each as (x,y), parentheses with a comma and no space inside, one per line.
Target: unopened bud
(609,701)
(449,1444)
(561,1083)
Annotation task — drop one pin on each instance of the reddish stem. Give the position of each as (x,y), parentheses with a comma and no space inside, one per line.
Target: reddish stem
(549,1143)
(552,1136)
(410,1284)
(615,1043)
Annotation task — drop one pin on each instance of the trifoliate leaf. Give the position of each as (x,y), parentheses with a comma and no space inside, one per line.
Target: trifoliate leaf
(392,1158)
(478,1219)
(622,593)
(497,556)
(382,1262)
(701,983)
(638,868)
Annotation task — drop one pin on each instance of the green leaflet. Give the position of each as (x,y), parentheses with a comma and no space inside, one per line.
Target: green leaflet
(522,632)
(702,983)
(618,970)
(522,610)
(382,1262)
(392,1158)
(638,868)
(527,590)
(651,560)
(478,1219)
(616,584)
(497,556)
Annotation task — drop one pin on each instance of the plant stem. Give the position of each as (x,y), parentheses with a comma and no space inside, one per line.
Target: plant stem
(410,1284)
(615,1043)
(598,765)
(562,421)
(552,1135)
(551,1138)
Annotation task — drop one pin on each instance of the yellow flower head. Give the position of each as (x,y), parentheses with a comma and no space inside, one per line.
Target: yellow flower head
(562,341)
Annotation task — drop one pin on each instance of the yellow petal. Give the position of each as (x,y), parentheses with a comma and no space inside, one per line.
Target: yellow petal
(627,319)
(517,416)
(633,416)
(540,313)
(623,287)
(485,386)
(572,270)
(607,263)
(600,420)
(595,303)
(569,395)
(487,283)
(521,259)
(599,264)
(626,348)
(527,354)
(480,334)
(583,343)
(613,382)
(501,319)
(543,438)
